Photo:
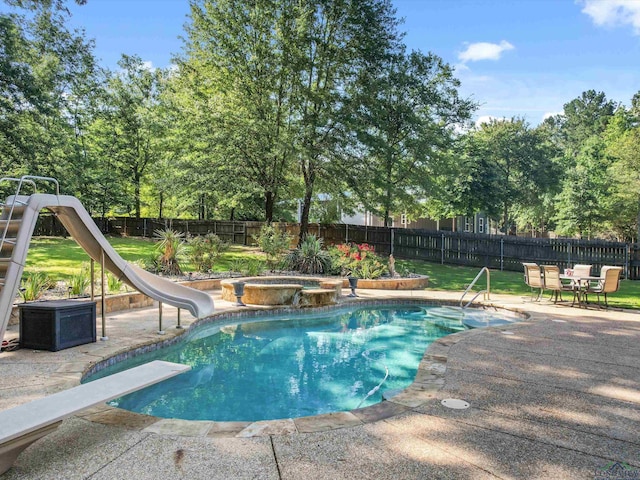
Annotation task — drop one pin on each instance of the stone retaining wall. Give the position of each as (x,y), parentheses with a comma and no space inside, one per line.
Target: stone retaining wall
(127,301)
(411,283)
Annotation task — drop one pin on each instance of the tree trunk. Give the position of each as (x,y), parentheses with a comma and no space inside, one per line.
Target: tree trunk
(388,221)
(136,187)
(304,217)
(201,209)
(161,205)
(232,217)
(638,222)
(505,219)
(269,201)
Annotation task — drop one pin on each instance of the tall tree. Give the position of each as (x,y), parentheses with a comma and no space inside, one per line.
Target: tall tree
(513,157)
(577,132)
(622,139)
(275,73)
(334,41)
(131,131)
(582,117)
(240,55)
(404,116)
(47,73)
(582,204)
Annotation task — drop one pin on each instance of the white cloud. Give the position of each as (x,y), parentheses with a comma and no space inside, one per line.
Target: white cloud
(484,51)
(488,119)
(551,114)
(148,65)
(614,13)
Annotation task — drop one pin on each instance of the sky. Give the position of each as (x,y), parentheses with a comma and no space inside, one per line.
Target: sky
(515,58)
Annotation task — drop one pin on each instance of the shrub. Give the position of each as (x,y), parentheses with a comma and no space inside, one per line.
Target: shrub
(33,285)
(274,243)
(309,257)
(151,264)
(357,260)
(248,267)
(205,250)
(170,251)
(114,285)
(79,282)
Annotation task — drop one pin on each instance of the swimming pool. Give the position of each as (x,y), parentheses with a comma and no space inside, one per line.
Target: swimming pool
(295,365)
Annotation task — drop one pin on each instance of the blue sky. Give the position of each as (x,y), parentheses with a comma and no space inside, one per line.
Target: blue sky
(523,58)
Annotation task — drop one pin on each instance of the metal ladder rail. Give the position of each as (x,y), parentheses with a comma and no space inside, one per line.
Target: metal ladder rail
(487,292)
(13,205)
(30,179)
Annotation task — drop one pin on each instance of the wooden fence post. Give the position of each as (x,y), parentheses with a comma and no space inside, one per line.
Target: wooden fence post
(626,261)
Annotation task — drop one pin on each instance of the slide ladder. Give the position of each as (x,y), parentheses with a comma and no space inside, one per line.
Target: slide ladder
(18,217)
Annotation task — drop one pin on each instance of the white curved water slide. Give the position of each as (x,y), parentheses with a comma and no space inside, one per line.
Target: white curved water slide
(17,222)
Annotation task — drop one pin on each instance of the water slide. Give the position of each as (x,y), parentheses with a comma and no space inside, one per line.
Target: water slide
(17,222)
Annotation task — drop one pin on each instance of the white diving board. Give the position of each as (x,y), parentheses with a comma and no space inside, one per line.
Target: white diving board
(22,425)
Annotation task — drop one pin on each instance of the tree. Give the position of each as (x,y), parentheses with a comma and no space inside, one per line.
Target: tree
(622,139)
(332,44)
(237,68)
(626,189)
(538,209)
(583,202)
(272,76)
(582,117)
(511,165)
(127,129)
(47,75)
(578,134)
(403,116)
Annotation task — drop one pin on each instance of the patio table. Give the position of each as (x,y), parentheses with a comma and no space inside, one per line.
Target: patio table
(579,283)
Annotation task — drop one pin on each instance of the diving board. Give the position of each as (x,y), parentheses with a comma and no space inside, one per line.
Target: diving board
(22,425)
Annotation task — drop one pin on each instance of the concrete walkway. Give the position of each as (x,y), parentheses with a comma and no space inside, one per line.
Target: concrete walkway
(556,396)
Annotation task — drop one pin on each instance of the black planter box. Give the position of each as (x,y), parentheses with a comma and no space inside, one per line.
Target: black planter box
(55,325)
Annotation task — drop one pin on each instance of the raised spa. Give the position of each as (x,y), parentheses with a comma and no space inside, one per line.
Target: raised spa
(299,291)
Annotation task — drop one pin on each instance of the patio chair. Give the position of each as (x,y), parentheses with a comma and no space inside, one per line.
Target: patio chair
(582,270)
(609,283)
(533,278)
(552,282)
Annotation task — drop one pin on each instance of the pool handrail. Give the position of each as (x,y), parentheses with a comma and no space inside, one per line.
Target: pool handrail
(486,292)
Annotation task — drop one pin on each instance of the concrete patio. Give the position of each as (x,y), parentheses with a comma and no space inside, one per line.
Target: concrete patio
(556,396)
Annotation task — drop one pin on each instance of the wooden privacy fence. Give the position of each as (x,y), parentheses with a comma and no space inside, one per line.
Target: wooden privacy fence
(508,252)
(475,250)
(239,233)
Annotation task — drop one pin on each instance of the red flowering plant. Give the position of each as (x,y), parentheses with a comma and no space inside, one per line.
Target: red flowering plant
(357,260)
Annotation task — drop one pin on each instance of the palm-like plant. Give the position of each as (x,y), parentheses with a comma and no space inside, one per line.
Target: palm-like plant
(309,257)
(170,251)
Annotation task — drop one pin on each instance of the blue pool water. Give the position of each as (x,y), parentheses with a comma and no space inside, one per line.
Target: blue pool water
(295,365)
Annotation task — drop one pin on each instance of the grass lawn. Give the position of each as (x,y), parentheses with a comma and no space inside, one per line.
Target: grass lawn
(61,257)
(453,277)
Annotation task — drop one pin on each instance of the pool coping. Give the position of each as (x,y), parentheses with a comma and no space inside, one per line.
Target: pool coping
(429,379)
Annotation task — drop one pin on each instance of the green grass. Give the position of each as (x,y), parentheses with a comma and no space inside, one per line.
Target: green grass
(60,258)
(452,277)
